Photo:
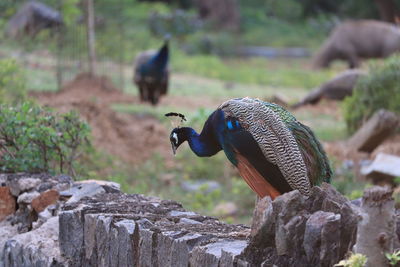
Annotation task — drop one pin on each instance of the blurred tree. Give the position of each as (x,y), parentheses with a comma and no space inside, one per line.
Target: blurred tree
(224,13)
(387,10)
(373,9)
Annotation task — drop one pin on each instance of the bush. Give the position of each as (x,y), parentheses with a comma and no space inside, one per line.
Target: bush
(380,89)
(33,139)
(12,82)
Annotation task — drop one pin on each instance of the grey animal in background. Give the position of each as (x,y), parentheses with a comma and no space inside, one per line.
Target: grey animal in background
(353,40)
(337,88)
(31,18)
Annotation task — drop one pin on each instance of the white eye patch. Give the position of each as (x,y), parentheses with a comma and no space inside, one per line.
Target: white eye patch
(175,137)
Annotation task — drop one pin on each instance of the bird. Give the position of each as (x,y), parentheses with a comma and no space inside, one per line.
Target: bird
(151,74)
(273,152)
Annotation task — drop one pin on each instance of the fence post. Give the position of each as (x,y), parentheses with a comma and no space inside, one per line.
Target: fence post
(90,36)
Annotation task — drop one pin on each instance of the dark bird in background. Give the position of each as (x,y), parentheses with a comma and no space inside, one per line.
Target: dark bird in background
(151,74)
(273,152)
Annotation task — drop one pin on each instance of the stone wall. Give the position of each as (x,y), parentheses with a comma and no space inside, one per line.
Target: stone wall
(110,228)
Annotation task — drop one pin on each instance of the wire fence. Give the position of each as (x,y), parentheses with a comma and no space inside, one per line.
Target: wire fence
(55,55)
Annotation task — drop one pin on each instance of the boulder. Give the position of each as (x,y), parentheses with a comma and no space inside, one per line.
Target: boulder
(374,131)
(383,169)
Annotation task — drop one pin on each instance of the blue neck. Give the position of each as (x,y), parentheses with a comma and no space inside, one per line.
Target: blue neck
(204,144)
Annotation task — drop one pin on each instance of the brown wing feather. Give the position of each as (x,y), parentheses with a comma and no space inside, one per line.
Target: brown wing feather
(254,179)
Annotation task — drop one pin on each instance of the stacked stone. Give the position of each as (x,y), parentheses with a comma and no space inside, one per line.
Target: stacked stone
(29,207)
(133,230)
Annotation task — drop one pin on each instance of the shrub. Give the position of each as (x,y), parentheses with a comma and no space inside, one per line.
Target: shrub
(12,82)
(33,139)
(380,89)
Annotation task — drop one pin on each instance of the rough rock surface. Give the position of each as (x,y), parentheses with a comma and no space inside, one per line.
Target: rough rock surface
(299,231)
(96,231)
(35,248)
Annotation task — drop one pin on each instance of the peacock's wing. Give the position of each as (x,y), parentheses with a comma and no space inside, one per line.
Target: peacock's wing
(271,134)
(314,156)
(318,168)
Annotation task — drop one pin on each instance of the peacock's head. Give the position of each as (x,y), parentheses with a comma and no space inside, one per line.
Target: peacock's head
(176,137)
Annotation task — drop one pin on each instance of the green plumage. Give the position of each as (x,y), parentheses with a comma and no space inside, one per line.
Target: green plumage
(318,169)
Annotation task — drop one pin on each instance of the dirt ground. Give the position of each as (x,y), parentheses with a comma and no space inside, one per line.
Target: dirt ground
(132,138)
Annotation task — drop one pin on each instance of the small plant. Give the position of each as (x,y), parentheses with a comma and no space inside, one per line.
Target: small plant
(380,89)
(355,260)
(33,139)
(12,82)
(393,258)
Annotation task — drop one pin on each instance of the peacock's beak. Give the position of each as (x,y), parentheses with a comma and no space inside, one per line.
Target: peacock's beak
(173,149)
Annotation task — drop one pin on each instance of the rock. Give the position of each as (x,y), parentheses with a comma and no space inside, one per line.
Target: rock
(200,186)
(7,202)
(175,213)
(35,248)
(103,183)
(383,169)
(225,209)
(376,234)
(21,183)
(188,221)
(263,223)
(294,230)
(7,231)
(79,191)
(373,132)
(94,230)
(3,179)
(27,197)
(337,88)
(210,254)
(322,233)
(26,184)
(45,199)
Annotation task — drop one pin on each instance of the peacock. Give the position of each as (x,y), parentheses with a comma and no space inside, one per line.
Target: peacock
(151,74)
(272,150)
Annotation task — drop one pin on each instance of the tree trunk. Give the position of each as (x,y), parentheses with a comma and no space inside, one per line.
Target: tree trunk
(387,10)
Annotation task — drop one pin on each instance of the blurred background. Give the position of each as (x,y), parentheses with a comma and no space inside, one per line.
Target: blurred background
(79,55)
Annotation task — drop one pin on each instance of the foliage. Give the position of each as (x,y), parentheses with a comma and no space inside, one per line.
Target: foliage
(380,89)
(70,11)
(12,82)
(287,10)
(393,258)
(33,139)
(178,23)
(355,260)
